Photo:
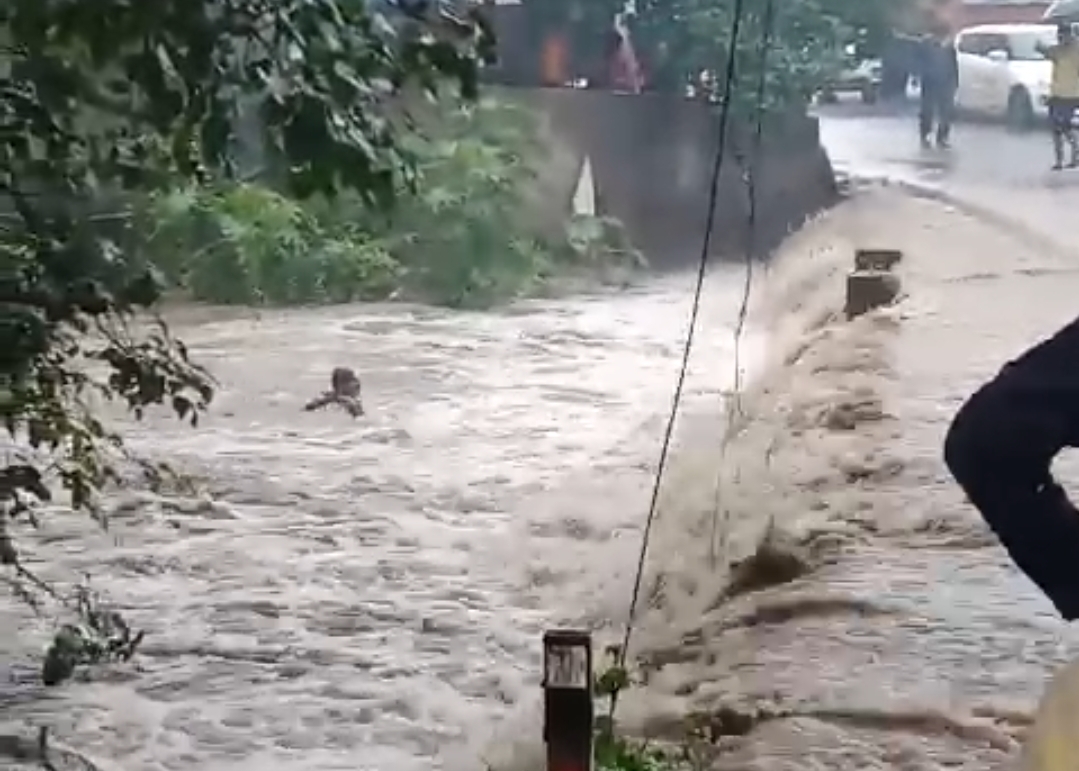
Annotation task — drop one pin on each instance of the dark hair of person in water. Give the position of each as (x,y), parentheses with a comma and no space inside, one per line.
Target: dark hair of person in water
(345,390)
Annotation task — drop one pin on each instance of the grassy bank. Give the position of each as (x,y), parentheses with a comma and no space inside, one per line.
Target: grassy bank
(461,236)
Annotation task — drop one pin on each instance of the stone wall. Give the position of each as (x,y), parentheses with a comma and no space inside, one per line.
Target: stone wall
(652,158)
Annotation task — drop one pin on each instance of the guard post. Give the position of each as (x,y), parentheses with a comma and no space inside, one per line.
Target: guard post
(567,699)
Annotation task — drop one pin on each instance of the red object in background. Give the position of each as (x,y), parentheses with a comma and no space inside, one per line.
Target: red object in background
(567,766)
(554,68)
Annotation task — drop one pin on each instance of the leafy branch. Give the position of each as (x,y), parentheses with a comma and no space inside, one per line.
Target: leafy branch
(104,104)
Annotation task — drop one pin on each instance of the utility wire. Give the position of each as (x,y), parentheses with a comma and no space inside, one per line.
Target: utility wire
(713,194)
(734,404)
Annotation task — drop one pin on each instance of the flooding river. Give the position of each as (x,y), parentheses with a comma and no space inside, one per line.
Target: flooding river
(370,594)
(910,642)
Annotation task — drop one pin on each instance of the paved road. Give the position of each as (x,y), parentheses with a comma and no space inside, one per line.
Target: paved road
(1004,173)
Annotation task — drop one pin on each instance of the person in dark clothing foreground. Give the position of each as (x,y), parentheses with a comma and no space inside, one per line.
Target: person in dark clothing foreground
(999,449)
(939,73)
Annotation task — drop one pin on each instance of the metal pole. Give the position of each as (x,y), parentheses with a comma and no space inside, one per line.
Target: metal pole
(567,699)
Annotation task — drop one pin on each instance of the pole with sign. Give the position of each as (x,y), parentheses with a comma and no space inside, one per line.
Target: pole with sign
(567,700)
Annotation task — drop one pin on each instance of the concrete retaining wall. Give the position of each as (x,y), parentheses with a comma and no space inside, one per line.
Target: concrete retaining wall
(652,159)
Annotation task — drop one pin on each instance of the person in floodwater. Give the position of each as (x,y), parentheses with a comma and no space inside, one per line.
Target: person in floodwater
(999,449)
(938,71)
(1063,94)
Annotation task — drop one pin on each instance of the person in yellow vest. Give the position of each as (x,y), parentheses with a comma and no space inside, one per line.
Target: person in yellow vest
(1063,94)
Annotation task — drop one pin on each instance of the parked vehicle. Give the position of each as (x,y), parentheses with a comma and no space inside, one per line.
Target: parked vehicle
(1002,74)
(862,77)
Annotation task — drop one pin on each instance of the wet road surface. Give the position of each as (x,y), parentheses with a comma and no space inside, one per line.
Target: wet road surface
(1000,172)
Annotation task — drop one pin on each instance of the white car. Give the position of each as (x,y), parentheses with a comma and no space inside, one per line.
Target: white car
(1001,72)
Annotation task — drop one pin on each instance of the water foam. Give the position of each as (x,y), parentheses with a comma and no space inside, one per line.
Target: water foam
(900,637)
(365,594)
(793,337)
(372,595)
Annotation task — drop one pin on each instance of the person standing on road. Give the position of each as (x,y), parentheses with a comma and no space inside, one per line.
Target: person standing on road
(1063,94)
(999,449)
(939,75)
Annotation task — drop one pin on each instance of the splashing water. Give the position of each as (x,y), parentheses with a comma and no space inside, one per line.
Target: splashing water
(903,639)
(371,594)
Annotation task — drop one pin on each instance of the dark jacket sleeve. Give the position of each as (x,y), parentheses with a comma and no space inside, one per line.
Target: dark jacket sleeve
(938,65)
(951,77)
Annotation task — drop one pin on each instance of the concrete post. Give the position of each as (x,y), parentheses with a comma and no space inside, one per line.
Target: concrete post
(877,259)
(872,284)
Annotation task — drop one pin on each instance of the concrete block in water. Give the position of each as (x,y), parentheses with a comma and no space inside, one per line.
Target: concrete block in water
(869,289)
(877,259)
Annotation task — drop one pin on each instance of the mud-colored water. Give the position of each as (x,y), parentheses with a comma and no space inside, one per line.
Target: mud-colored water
(370,594)
(910,642)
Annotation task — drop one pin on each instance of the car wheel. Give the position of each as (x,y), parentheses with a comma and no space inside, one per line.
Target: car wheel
(828,96)
(869,94)
(1020,115)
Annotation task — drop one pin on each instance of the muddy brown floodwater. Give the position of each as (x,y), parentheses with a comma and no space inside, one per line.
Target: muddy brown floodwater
(910,642)
(370,594)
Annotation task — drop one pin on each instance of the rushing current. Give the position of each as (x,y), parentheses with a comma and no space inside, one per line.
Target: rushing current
(370,594)
(366,594)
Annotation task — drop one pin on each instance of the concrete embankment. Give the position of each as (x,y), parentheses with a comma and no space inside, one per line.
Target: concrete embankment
(652,160)
(891,632)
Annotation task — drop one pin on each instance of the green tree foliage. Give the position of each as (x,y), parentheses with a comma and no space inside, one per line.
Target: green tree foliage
(678,39)
(104,102)
(806,40)
(462,238)
(246,244)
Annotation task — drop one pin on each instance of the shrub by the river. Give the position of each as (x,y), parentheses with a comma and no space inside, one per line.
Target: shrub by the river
(460,239)
(245,244)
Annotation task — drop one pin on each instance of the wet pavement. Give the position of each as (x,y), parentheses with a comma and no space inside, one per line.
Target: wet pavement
(913,643)
(1000,172)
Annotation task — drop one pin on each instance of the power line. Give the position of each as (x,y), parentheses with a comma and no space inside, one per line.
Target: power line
(721,147)
(734,405)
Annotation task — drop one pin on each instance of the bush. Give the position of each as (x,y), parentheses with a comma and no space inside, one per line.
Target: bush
(247,244)
(460,239)
(457,238)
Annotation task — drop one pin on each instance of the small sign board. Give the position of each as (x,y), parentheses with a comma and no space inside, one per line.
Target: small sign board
(566,667)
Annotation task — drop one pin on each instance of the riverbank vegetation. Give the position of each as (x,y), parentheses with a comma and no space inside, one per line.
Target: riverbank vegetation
(459,233)
(129,136)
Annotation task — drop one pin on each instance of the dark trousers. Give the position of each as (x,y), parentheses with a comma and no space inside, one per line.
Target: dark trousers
(999,449)
(936,110)
(1062,113)
(1061,117)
